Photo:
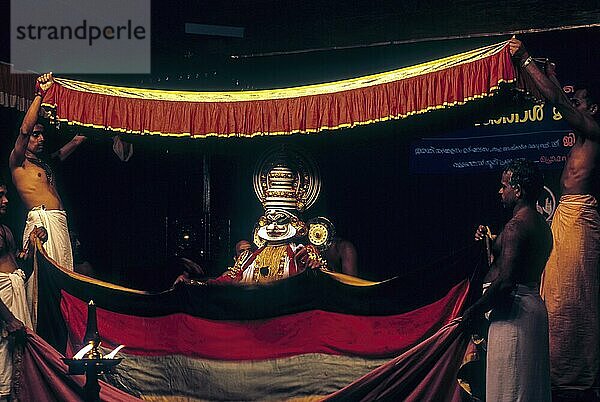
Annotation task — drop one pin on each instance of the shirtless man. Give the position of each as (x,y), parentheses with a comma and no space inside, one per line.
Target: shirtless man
(14,312)
(570,283)
(517,354)
(35,181)
(341,257)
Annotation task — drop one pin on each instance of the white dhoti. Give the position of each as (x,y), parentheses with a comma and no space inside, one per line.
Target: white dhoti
(58,246)
(12,293)
(518,363)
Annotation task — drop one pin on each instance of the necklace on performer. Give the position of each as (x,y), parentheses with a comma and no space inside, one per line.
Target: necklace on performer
(269,265)
(44,165)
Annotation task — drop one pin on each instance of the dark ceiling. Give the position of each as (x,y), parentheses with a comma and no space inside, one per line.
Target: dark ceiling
(292,42)
(284,26)
(272,26)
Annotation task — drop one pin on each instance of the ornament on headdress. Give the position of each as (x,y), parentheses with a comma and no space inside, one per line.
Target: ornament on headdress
(286,179)
(320,232)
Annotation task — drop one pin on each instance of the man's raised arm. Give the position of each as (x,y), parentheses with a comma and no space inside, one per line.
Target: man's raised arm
(17,156)
(67,149)
(584,124)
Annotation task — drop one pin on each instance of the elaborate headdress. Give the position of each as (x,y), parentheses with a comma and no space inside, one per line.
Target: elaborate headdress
(286,179)
(287,183)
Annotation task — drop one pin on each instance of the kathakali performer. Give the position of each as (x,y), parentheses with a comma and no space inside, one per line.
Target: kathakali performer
(286,184)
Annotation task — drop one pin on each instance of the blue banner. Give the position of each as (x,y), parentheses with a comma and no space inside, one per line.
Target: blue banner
(539,134)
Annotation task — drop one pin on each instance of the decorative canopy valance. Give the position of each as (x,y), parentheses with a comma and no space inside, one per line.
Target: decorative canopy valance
(307,109)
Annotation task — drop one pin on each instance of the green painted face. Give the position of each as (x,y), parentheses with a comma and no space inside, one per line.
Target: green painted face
(276,225)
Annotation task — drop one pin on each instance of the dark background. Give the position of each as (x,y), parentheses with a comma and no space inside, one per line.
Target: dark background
(131,215)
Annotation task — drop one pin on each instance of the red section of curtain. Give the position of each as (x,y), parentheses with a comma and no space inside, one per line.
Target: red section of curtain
(307,332)
(42,377)
(427,372)
(16,90)
(313,113)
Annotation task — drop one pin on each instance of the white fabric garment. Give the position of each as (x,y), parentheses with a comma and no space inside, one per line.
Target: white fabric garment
(12,293)
(518,361)
(58,245)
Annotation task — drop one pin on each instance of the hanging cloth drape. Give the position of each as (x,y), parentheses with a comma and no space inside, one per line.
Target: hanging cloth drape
(16,90)
(395,94)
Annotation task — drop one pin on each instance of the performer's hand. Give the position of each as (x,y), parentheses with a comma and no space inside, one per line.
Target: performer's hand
(38,232)
(517,49)
(43,83)
(313,264)
(16,328)
(482,232)
(303,256)
(468,318)
(181,279)
(473,321)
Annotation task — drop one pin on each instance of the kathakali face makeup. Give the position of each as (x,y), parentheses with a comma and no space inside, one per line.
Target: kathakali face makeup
(278,225)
